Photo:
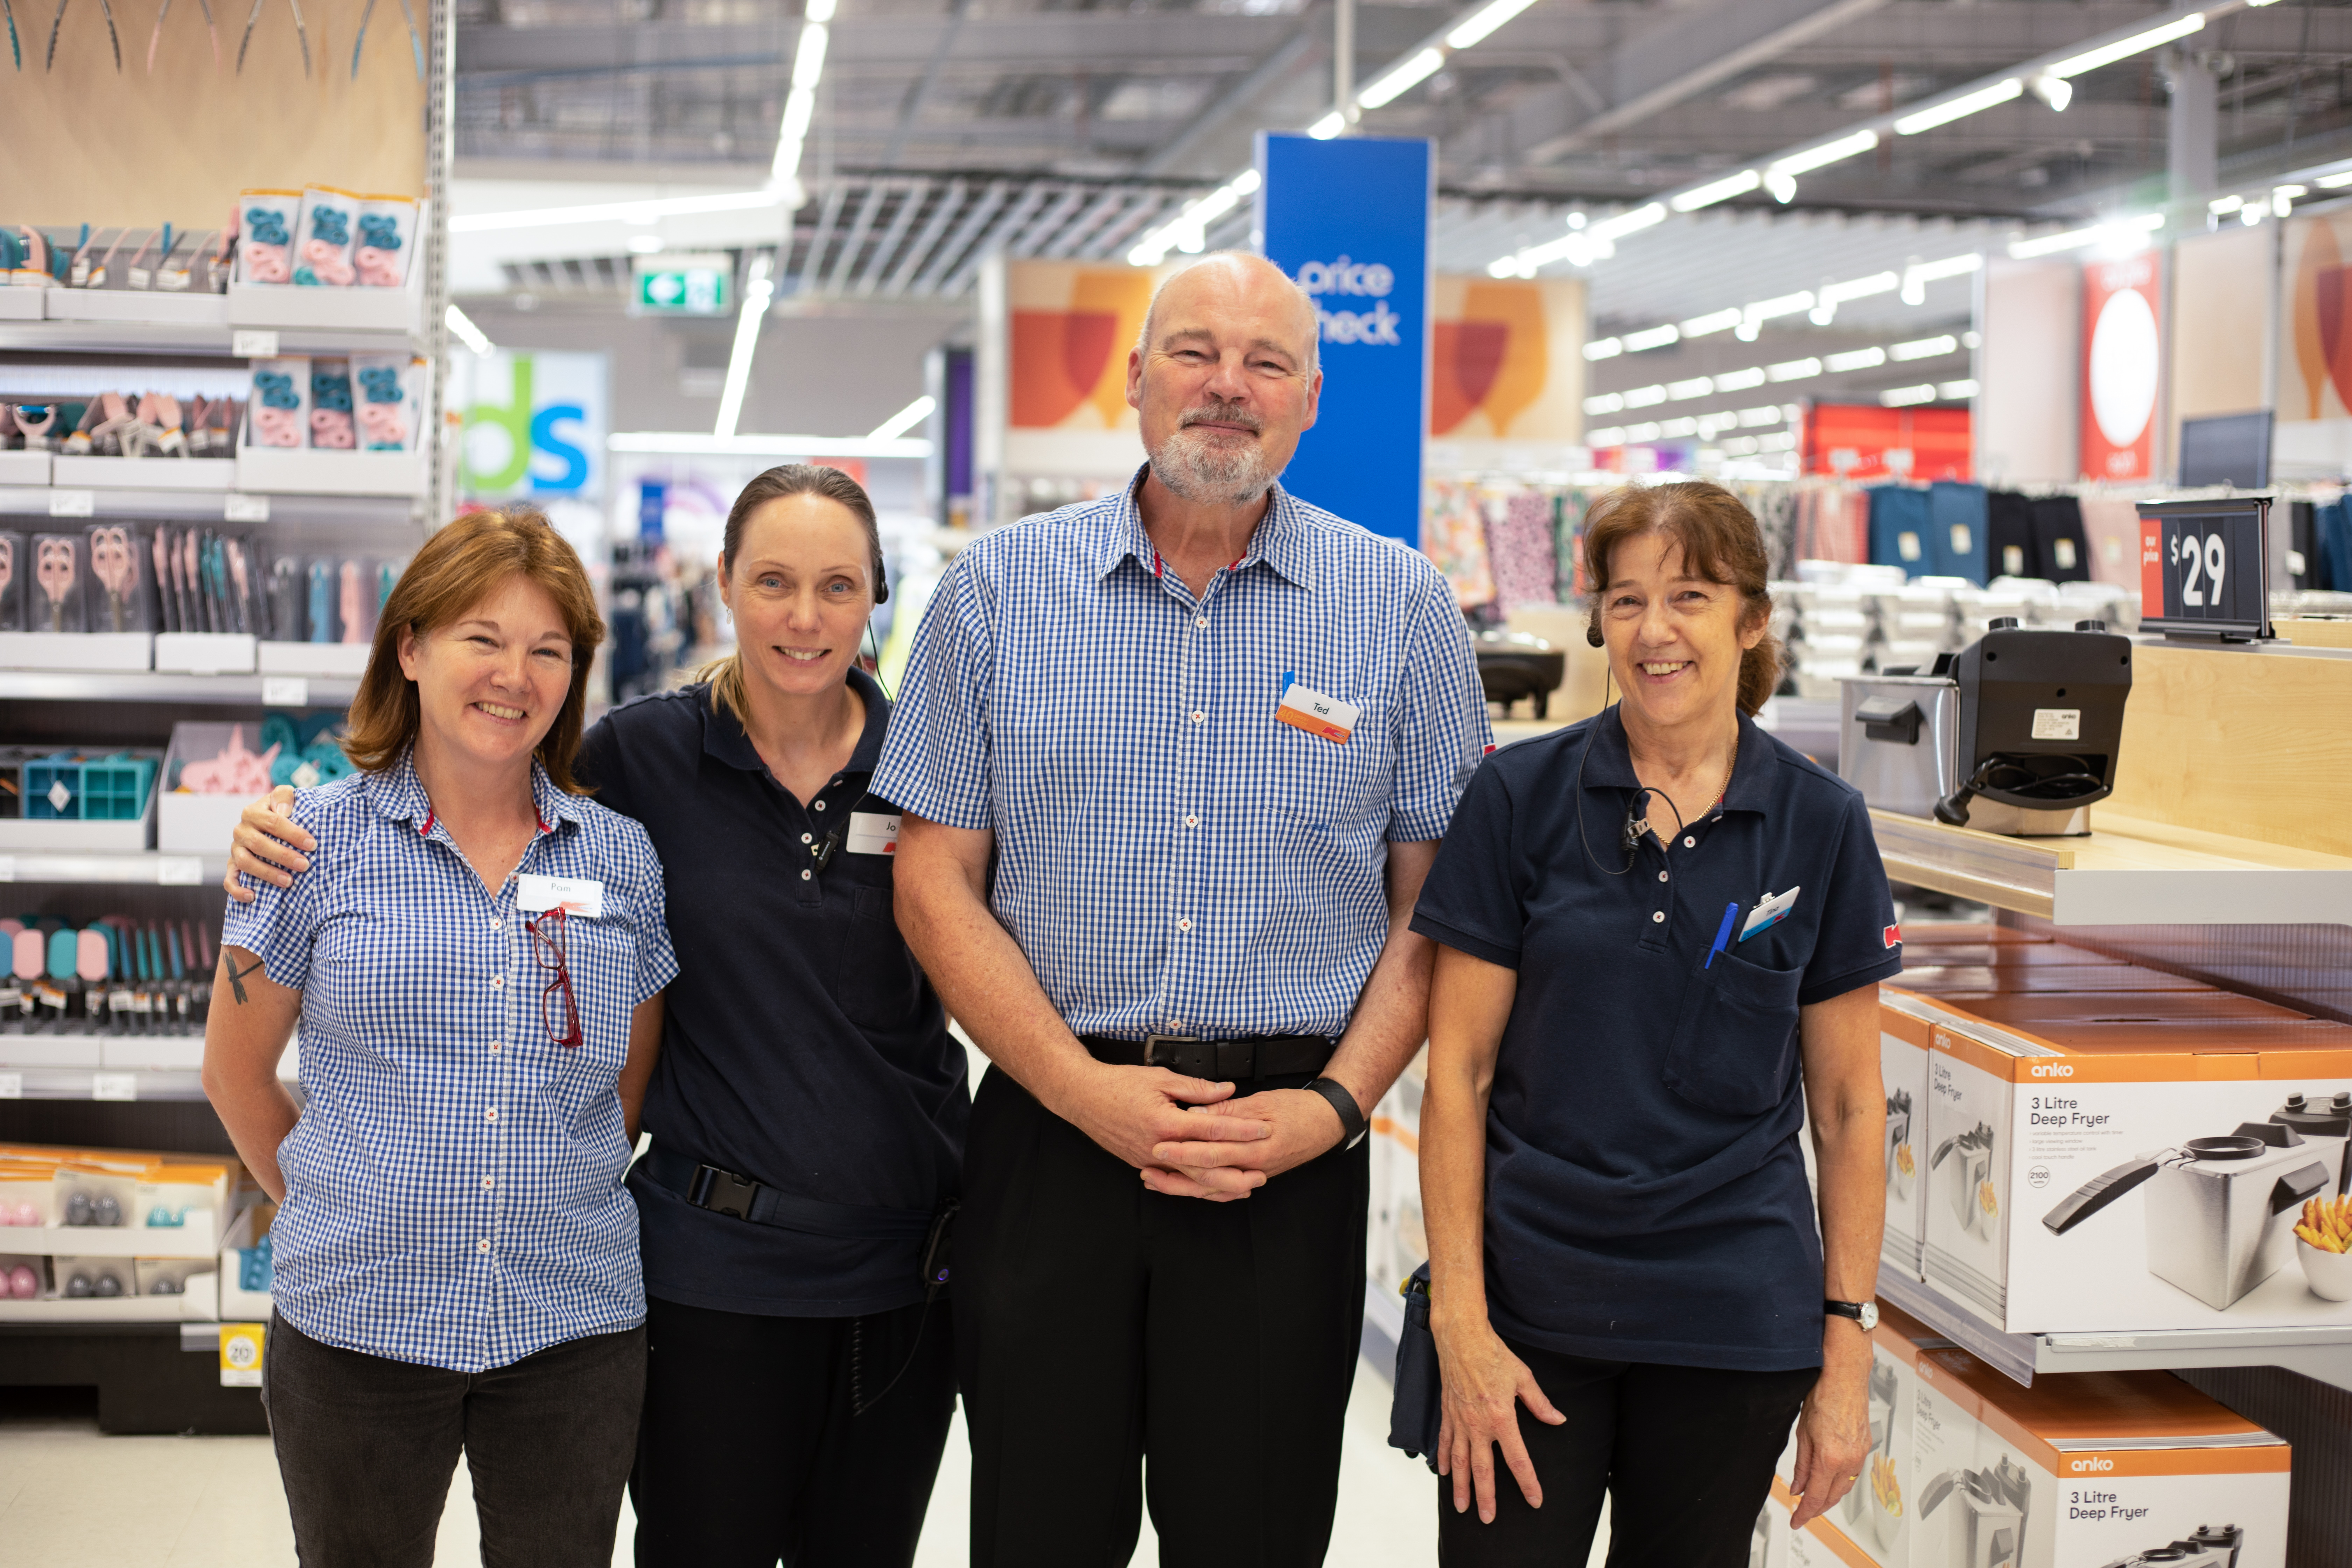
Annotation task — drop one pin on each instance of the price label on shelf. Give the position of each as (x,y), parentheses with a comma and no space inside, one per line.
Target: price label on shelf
(237,508)
(285,691)
(115,1085)
(241,1346)
(248,343)
(2203,567)
(179,871)
(12,1086)
(8,868)
(72,503)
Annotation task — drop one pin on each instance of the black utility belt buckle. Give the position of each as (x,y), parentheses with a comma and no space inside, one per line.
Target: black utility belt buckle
(722,1192)
(1170,1051)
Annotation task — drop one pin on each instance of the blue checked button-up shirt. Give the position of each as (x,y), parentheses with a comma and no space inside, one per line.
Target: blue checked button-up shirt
(453,1189)
(1170,858)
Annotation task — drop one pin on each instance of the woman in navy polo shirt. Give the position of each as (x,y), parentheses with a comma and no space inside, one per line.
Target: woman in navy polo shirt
(1626,1032)
(808,1110)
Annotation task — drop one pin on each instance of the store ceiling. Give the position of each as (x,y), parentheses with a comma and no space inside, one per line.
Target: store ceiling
(947,128)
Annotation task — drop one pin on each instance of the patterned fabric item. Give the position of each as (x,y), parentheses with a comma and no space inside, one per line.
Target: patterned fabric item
(1171,856)
(1832,525)
(1455,538)
(453,1189)
(1519,541)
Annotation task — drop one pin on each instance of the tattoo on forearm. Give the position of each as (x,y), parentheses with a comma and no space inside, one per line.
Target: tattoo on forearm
(236,977)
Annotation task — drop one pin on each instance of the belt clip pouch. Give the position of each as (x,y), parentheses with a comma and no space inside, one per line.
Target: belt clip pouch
(1414,1412)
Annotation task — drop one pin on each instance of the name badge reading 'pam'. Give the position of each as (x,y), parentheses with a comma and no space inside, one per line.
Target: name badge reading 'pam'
(582,896)
(1306,708)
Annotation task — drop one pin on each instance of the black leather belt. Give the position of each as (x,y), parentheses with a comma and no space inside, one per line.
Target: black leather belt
(1264,1055)
(724,1192)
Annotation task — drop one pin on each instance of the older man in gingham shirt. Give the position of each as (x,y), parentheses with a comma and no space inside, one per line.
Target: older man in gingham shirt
(1172,765)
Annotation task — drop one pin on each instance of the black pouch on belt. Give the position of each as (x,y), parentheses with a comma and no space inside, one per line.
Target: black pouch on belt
(1413,1413)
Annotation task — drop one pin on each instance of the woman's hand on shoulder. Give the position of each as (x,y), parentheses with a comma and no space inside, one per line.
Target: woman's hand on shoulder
(266,845)
(1482,1386)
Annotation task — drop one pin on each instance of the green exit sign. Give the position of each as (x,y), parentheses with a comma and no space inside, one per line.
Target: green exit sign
(682,285)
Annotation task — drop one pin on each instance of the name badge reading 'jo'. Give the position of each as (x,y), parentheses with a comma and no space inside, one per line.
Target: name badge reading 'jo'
(872,833)
(1306,708)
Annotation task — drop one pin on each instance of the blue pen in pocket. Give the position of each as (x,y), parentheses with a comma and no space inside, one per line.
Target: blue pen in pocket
(1722,933)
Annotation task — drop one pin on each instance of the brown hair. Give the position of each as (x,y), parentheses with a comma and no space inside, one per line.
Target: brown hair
(1721,542)
(726,675)
(459,567)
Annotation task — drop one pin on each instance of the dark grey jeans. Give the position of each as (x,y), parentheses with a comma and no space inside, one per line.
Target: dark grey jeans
(366,1448)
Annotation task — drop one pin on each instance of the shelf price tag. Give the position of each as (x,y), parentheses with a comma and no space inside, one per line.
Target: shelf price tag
(285,691)
(179,871)
(72,503)
(2204,566)
(240,1354)
(115,1085)
(12,1086)
(8,868)
(237,508)
(250,343)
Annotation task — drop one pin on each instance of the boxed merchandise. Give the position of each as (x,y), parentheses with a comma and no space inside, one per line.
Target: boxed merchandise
(244,1264)
(387,388)
(60,583)
(267,223)
(2137,1160)
(65,800)
(122,579)
(332,427)
(387,234)
(1871,1524)
(209,777)
(13,559)
(329,228)
(281,406)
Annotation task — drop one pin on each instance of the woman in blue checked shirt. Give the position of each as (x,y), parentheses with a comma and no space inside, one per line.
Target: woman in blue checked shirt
(476,963)
(808,1111)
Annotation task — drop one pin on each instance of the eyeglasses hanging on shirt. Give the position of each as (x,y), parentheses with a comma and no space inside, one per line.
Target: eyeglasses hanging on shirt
(550,947)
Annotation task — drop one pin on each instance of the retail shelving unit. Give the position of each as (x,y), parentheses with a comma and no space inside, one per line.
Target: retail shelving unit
(153,1358)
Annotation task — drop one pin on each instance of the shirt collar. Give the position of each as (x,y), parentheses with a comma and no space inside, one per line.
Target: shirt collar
(1609,765)
(1278,540)
(723,735)
(399,793)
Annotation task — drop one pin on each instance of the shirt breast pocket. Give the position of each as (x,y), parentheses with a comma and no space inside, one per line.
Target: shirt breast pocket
(879,985)
(1325,783)
(601,959)
(1734,1037)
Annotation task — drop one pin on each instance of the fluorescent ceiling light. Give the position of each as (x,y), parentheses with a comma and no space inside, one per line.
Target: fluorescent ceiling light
(1855,359)
(1609,436)
(694,444)
(1652,338)
(1793,369)
(1740,380)
(2225,204)
(2335,182)
(1684,391)
(1722,190)
(906,419)
(1958,108)
(2124,48)
(1330,125)
(1188,229)
(757,292)
(800,103)
(1645,396)
(1828,153)
(1633,222)
(1643,432)
(1782,186)
(612,212)
(2055,91)
(1674,429)
(461,326)
(1905,396)
(808,60)
(1408,74)
(1607,348)
(1607,402)
(1714,321)
(2132,230)
(1785,305)
(1483,21)
(1750,419)
(1956,389)
(1925,348)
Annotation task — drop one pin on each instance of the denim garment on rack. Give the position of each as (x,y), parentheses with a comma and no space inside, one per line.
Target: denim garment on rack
(1901,530)
(1959,511)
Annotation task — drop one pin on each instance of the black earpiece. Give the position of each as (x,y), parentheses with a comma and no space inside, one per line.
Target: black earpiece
(881,584)
(1592,632)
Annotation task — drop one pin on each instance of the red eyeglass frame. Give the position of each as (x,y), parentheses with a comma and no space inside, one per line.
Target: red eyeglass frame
(542,944)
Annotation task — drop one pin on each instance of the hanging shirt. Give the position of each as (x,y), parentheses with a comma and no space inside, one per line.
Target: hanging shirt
(1646,1196)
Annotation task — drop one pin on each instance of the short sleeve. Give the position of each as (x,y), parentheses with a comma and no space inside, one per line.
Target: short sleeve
(1473,899)
(647,907)
(1442,730)
(935,761)
(1859,944)
(279,927)
(598,767)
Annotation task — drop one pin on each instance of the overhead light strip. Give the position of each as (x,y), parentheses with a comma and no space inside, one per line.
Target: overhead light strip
(694,444)
(612,212)
(758,289)
(800,103)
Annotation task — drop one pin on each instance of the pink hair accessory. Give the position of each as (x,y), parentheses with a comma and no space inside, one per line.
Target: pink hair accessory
(277,426)
(378,269)
(236,771)
(383,424)
(266,263)
(329,262)
(331,428)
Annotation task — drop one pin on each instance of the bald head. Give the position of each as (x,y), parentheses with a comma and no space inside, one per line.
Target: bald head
(1225,277)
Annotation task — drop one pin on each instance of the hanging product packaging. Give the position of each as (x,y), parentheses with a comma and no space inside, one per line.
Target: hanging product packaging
(330,405)
(267,224)
(279,414)
(285,594)
(59,583)
(384,386)
(386,239)
(14,565)
(122,596)
(330,228)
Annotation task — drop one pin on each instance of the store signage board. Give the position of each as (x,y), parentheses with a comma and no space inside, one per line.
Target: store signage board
(535,423)
(1348,218)
(2202,567)
(684,285)
(2122,356)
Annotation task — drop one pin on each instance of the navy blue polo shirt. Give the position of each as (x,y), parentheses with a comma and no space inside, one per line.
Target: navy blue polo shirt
(1646,1196)
(801,1045)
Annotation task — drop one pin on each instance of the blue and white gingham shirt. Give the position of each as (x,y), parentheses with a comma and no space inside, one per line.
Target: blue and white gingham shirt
(453,1189)
(1170,858)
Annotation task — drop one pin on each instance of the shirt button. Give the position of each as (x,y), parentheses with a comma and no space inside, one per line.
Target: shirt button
(491,1114)
(1199,717)
(1184,925)
(495,1045)
(807,838)
(1201,623)
(487,1181)
(1662,875)
(496,923)
(807,875)
(483,1244)
(1690,843)
(1191,822)
(1657,917)
(498,980)
(820,806)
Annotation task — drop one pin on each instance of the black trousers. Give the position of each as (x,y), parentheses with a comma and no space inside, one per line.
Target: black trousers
(754,1448)
(1099,1325)
(1685,1453)
(366,1448)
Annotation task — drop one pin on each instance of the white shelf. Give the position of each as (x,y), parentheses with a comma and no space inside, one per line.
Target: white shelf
(143,866)
(72,504)
(228,690)
(2324,1353)
(198,1238)
(199,1304)
(86,1083)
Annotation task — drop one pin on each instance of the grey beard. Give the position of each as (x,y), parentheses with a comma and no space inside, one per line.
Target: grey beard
(1198,472)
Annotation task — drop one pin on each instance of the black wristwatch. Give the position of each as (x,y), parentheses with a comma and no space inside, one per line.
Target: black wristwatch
(1862,1312)
(1351,1118)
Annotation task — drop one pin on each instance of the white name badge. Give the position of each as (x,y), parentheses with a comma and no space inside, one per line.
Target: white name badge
(1304,708)
(871,833)
(574,895)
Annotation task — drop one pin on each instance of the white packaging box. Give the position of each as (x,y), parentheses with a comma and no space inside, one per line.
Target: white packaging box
(144,306)
(238,1305)
(293,306)
(1870,1527)
(74,836)
(142,473)
(205,653)
(24,468)
(1904,1027)
(189,824)
(334,660)
(2117,1176)
(111,653)
(21,304)
(304,470)
(2091,1469)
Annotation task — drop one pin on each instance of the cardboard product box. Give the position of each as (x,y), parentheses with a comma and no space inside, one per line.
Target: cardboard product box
(2119,1168)
(1870,1527)
(2092,1471)
(1768,1547)
(1994,980)
(1398,1243)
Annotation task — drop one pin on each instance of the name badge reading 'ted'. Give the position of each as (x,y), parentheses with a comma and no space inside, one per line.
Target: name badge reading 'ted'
(1306,708)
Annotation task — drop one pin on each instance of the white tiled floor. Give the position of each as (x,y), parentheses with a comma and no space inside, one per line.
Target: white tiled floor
(69,1496)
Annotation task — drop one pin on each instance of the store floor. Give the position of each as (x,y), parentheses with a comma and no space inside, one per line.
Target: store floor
(70,1495)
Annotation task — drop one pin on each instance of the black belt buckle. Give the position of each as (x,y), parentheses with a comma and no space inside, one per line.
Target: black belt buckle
(722,1192)
(1168,1051)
